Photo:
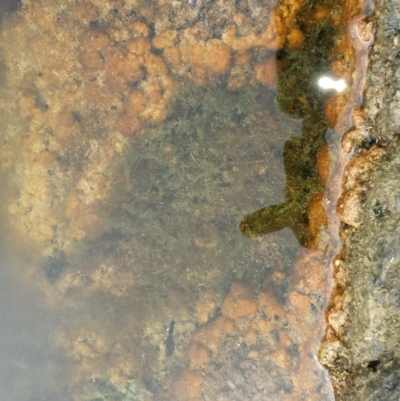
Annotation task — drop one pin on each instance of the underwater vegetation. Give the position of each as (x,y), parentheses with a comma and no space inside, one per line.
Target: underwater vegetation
(182,188)
(298,95)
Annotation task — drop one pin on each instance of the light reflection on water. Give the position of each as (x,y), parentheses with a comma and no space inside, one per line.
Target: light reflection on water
(135,220)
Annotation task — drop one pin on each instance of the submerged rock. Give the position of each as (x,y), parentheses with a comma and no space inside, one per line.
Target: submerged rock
(361,346)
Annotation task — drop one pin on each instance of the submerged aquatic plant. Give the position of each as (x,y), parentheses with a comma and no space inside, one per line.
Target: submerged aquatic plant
(182,188)
(298,96)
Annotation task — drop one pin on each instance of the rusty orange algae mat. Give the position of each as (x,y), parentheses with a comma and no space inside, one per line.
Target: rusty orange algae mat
(138,140)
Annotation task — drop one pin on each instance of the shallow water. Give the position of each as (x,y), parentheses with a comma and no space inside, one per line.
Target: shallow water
(155,171)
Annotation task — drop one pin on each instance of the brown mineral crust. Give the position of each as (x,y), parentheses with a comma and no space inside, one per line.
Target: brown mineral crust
(210,336)
(88,347)
(307,377)
(238,78)
(187,385)
(316,215)
(206,306)
(84,11)
(351,138)
(199,356)
(113,67)
(155,113)
(92,187)
(351,9)
(212,56)
(349,207)
(128,126)
(118,372)
(120,70)
(242,58)
(272,309)
(217,57)
(199,76)
(253,354)
(251,338)
(139,47)
(356,140)
(302,320)
(227,325)
(334,107)
(342,59)
(359,118)
(165,39)
(113,279)
(338,312)
(357,170)
(140,29)
(299,301)
(284,340)
(155,68)
(172,56)
(310,273)
(295,39)
(265,72)
(94,94)
(281,358)
(91,60)
(323,163)
(42,160)
(321,13)
(136,103)
(258,331)
(95,41)
(262,326)
(92,43)
(289,11)
(239,302)
(366,29)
